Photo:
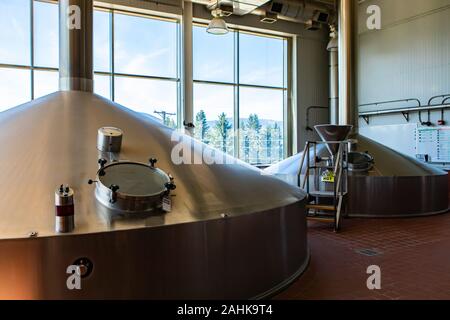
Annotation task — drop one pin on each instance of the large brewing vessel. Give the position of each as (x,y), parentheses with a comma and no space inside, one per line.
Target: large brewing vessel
(133,223)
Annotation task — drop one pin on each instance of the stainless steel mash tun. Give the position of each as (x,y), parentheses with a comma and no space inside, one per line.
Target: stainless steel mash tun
(151,255)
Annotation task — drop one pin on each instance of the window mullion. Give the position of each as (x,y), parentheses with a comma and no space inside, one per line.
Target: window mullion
(180,82)
(287,110)
(237,125)
(111,54)
(187,67)
(32,47)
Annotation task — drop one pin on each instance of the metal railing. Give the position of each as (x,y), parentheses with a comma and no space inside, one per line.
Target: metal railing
(405,111)
(445,96)
(308,115)
(376,104)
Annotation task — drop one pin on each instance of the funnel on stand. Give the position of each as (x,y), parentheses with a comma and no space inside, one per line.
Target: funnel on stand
(333,133)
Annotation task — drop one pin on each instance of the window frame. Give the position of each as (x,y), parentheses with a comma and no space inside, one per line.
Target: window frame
(287,70)
(112,74)
(32,67)
(286,88)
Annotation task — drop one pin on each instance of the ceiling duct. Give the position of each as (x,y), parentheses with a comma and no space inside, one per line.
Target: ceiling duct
(312,13)
(227,10)
(240,7)
(312,25)
(287,9)
(321,17)
(269,17)
(131,225)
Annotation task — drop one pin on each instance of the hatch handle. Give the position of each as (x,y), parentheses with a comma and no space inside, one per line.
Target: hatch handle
(170,186)
(153,161)
(113,197)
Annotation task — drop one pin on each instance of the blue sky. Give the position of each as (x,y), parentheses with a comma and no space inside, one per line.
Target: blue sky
(146,47)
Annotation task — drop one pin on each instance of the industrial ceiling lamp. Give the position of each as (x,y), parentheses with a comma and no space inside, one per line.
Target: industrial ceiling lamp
(217,25)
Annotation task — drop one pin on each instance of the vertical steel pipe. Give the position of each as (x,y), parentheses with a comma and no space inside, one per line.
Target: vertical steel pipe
(76,45)
(334,87)
(346,59)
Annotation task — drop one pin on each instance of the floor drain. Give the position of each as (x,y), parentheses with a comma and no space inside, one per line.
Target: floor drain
(369,252)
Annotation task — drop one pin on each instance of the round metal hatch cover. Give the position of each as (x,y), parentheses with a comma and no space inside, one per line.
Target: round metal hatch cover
(360,161)
(131,186)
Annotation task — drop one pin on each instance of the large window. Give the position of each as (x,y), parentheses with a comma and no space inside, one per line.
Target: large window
(46,35)
(213,56)
(213,111)
(45,82)
(15,74)
(136,65)
(136,69)
(28,51)
(15,86)
(240,85)
(240,94)
(149,96)
(15,32)
(261,60)
(261,114)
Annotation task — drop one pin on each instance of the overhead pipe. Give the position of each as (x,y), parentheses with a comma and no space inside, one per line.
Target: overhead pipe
(302,8)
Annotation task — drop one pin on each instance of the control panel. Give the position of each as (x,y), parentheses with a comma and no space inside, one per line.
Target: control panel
(434,144)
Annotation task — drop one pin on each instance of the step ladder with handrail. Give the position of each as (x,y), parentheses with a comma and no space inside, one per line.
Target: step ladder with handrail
(331,173)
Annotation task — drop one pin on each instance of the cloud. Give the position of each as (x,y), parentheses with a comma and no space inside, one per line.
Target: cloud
(149,63)
(144,95)
(15,88)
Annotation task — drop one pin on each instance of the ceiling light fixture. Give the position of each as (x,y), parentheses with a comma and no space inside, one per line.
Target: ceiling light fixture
(217,25)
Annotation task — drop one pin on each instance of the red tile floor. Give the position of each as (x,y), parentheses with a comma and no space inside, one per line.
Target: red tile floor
(413,254)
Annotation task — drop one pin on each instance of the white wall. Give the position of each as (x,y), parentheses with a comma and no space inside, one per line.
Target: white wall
(312,84)
(408,58)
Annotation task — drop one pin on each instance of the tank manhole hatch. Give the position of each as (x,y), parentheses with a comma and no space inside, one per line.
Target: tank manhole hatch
(133,187)
(369,252)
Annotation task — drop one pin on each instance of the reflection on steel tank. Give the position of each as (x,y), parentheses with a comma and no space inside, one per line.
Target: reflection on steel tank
(144,228)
